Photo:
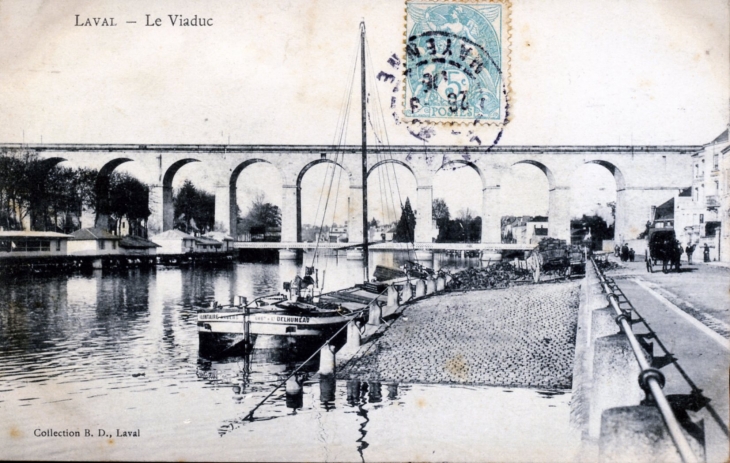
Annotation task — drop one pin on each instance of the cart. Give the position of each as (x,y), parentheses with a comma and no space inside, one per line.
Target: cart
(555,259)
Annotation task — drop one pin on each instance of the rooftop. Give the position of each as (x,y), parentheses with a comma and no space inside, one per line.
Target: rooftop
(32,234)
(137,242)
(220,236)
(172,235)
(207,241)
(93,234)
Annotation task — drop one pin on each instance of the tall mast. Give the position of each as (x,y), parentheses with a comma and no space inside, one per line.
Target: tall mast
(363,99)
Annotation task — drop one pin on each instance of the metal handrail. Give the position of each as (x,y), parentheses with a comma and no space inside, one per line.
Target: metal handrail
(650,379)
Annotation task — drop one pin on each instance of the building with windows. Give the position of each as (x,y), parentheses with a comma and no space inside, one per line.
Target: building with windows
(525,230)
(224,239)
(94,242)
(700,212)
(15,244)
(723,197)
(174,242)
(705,214)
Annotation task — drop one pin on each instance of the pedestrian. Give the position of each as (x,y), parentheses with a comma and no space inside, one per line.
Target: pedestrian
(625,253)
(632,254)
(677,255)
(690,249)
(706,253)
(617,250)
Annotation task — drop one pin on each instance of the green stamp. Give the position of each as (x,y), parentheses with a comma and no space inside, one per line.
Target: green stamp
(456,62)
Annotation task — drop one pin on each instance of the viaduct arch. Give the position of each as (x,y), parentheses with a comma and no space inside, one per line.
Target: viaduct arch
(670,168)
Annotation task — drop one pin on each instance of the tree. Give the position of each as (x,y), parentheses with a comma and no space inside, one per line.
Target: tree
(62,201)
(262,215)
(194,209)
(373,223)
(598,227)
(441,215)
(128,198)
(404,230)
(18,184)
(465,228)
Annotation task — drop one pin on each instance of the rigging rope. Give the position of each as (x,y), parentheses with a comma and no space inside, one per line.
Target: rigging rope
(337,141)
(410,246)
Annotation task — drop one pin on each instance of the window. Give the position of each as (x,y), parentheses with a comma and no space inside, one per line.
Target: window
(715,161)
(101,244)
(702,218)
(58,245)
(5,246)
(30,245)
(114,244)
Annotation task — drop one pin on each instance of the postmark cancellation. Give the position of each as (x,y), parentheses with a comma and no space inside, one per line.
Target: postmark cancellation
(456,57)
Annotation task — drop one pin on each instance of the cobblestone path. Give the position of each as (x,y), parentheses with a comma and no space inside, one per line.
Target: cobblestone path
(521,336)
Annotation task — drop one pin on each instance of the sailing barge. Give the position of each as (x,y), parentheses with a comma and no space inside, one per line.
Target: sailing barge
(302,312)
(300,317)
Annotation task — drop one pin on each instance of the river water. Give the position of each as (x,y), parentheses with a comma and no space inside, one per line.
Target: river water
(90,357)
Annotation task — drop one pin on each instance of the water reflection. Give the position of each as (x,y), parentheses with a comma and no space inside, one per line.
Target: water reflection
(295,392)
(127,343)
(327,392)
(95,325)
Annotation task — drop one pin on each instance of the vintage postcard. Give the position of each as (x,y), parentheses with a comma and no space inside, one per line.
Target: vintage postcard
(383,230)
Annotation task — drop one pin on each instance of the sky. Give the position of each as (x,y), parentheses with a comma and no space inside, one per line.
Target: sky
(582,72)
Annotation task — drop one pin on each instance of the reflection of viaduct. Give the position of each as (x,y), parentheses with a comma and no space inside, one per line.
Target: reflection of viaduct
(645,176)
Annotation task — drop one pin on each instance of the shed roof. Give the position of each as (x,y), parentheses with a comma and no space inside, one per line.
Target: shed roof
(32,234)
(93,234)
(207,241)
(172,235)
(220,236)
(137,242)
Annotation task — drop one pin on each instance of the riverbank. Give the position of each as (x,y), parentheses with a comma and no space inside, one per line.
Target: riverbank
(514,337)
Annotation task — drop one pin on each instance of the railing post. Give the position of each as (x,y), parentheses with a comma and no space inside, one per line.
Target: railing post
(327,360)
(392,296)
(420,289)
(430,285)
(407,292)
(650,379)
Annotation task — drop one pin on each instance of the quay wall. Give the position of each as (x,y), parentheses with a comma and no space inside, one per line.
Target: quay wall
(608,407)
(521,336)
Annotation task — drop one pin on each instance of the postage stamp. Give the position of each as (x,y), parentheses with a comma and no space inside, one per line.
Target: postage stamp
(457,61)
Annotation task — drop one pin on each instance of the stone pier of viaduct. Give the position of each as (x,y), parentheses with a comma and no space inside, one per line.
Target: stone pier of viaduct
(644,175)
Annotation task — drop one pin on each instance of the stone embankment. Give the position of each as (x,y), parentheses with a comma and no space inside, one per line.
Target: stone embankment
(519,336)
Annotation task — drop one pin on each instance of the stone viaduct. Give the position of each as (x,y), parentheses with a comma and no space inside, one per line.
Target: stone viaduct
(644,175)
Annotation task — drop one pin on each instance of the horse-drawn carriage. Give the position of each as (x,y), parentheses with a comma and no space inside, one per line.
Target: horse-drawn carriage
(662,245)
(556,259)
